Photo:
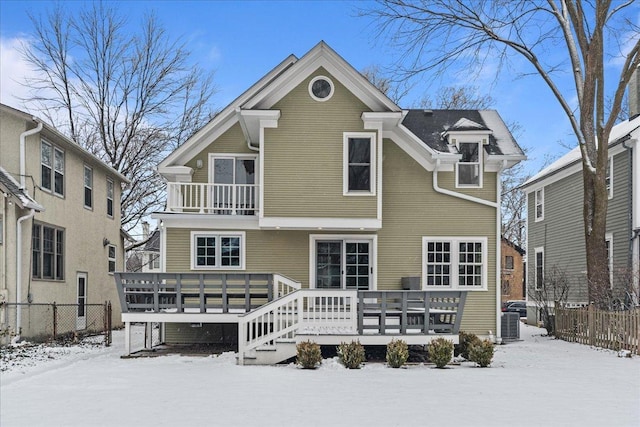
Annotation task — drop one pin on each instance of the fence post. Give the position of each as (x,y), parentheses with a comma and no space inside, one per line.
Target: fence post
(55,321)
(591,319)
(109,322)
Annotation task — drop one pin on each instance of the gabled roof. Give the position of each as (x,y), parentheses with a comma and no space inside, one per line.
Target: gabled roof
(60,138)
(153,244)
(514,246)
(12,187)
(619,133)
(273,87)
(421,130)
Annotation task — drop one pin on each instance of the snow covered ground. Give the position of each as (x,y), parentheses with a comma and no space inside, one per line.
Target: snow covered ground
(537,381)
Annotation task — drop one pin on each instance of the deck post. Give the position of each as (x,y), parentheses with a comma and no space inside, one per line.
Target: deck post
(201,287)
(148,335)
(127,338)
(242,337)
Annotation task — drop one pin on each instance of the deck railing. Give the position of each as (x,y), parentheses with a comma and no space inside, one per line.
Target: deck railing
(219,199)
(199,292)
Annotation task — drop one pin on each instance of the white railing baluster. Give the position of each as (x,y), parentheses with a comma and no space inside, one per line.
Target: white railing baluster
(221,199)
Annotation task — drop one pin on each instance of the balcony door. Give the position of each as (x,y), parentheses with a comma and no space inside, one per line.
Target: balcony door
(234,189)
(344,264)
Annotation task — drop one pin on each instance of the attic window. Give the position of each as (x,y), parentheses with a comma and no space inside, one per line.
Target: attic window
(321,88)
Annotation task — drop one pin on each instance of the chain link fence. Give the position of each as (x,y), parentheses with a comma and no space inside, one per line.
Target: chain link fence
(55,322)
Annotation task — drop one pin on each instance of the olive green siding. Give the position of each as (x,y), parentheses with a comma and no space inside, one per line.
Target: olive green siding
(411,210)
(561,233)
(303,158)
(231,142)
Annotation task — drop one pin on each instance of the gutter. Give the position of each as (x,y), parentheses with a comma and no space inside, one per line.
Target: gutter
(23,142)
(441,190)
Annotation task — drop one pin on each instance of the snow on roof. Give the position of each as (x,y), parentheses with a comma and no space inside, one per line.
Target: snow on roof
(618,132)
(13,187)
(501,134)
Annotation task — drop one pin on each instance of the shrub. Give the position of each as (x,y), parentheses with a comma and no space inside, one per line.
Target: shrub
(482,353)
(351,355)
(466,342)
(440,352)
(397,353)
(308,355)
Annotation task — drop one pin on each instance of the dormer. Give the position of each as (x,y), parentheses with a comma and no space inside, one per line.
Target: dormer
(468,139)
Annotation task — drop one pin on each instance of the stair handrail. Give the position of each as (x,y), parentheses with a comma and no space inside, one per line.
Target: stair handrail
(280,330)
(284,285)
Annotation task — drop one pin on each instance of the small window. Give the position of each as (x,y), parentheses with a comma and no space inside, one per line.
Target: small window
(359,155)
(469,170)
(539,268)
(155,262)
(110,198)
(88,187)
(111,258)
(508,262)
(539,204)
(506,287)
(1,229)
(52,168)
(321,88)
(609,177)
(222,251)
(454,263)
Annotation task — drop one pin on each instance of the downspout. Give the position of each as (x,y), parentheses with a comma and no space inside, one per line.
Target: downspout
(496,206)
(23,142)
(19,271)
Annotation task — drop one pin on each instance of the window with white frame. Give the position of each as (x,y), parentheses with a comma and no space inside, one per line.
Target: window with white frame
(539,204)
(454,263)
(539,268)
(609,243)
(609,177)
(88,187)
(155,261)
(109,198)
(358,163)
(47,246)
(217,250)
(111,255)
(469,166)
(52,168)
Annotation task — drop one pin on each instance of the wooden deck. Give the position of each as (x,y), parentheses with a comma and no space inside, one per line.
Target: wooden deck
(271,309)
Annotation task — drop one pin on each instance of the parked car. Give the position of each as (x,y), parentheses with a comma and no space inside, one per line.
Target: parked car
(515,307)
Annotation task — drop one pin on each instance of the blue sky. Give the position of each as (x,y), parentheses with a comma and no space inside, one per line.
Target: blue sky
(242,41)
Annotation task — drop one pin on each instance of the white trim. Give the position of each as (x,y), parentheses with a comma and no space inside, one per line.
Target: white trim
(207,221)
(331,91)
(371,238)
(233,156)
(302,223)
(535,205)
(536,251)
(163,247)
(346,136)
(217,234)
(610,176)
(479,163)
(608,238)
(114,258)
(455,262)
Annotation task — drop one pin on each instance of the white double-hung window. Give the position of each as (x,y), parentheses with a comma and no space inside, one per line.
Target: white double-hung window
(454,263)
(359,163)
(213,250)
(469,173)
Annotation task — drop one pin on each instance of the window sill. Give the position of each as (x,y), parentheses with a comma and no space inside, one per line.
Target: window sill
(35,279)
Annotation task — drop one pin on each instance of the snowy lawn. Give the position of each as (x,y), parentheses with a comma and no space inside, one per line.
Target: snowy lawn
(537,381)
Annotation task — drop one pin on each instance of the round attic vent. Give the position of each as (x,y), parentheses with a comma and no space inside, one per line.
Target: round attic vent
(321,88)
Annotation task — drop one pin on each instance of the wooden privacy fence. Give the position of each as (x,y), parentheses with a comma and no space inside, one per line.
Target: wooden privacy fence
(616,330)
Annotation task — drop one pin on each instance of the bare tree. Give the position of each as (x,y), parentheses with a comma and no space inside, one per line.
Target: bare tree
(127,98)
(436,35)
(394,89)
(553,292)
(458,98)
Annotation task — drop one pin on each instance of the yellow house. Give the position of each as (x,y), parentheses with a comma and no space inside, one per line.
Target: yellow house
(60,234)
(313,206)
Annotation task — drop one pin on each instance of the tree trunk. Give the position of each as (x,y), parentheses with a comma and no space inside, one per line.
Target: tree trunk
(595,218)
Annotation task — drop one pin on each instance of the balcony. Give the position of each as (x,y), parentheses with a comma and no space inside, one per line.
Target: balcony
(216,199)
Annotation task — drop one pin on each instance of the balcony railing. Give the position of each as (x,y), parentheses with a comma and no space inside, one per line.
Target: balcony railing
(218,199)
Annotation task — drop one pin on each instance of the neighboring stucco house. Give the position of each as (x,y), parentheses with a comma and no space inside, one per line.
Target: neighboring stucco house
(314,177)
(512,281)
(60,235)
(555,232)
